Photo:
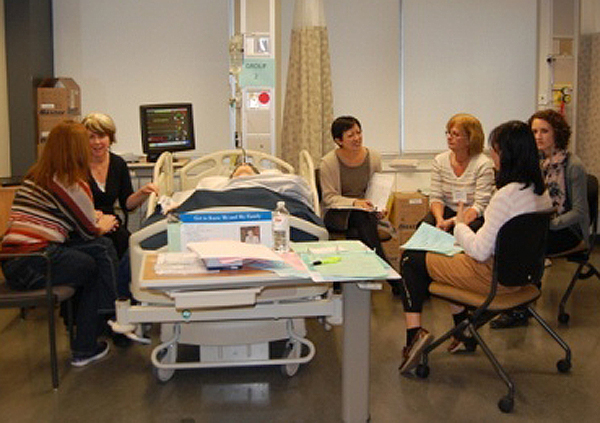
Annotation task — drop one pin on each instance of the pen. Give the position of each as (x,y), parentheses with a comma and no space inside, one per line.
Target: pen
(327,260)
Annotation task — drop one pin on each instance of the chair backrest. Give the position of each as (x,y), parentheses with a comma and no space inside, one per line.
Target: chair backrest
(520,249)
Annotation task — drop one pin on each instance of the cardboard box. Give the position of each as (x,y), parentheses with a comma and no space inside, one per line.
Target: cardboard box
(58,96)
(47,122)
(408,209)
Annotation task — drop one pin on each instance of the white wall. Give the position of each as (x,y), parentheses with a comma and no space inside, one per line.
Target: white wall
(4,128)
(590,16)
(124,53)
(127,52)
(470,56)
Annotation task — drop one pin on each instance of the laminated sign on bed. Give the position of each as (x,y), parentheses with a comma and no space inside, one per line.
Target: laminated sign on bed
(250,227)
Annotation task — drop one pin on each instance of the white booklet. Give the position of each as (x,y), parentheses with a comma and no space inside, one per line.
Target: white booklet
(232,254)
(379,189)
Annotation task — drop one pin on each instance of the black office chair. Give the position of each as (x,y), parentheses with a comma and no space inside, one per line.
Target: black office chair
(518,261)
(49,296)
(585,269)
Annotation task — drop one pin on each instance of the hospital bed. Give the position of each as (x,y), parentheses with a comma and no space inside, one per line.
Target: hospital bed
(221,164)
(239,329)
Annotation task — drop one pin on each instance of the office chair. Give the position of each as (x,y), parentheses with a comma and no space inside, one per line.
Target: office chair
(518,262)
(585,269)
(49,296)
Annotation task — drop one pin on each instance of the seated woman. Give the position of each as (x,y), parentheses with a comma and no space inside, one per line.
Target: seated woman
(521,190)
(109,177)
(344,177)
(566,180)
(461,174)
(53,211)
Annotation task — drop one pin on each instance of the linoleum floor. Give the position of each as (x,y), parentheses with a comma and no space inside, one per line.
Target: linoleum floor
(460,388)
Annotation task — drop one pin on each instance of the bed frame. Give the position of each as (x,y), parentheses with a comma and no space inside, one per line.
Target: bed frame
(247,332)
(222,163)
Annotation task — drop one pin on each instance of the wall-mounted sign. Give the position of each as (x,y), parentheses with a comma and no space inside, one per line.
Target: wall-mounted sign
(258,73)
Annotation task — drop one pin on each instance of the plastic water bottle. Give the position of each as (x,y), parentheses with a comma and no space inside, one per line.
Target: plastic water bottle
(281,228)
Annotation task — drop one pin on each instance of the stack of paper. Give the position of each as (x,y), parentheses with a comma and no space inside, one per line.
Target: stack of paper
(227,254)
(178,264)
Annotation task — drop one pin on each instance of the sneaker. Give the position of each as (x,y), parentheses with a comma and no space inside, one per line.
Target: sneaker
(465,344)
(510,319)
(412,353)
(82,360)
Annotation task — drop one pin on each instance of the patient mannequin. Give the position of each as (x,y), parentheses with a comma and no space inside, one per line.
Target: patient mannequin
(244,169)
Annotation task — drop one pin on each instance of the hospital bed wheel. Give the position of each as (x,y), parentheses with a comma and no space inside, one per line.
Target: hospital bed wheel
(293,349)
(563,365)
(166,356)
(563,318)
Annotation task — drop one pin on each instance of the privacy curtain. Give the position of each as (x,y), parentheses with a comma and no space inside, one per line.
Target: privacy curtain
(308,108)
(588,106)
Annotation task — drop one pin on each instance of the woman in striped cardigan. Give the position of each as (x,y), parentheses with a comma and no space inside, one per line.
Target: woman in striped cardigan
(53,211)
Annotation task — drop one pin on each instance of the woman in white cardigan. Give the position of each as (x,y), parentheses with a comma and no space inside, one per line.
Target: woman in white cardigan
(521,189)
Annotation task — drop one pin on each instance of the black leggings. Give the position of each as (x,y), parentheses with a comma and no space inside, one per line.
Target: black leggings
(562,240)
(415,280)
(362,225)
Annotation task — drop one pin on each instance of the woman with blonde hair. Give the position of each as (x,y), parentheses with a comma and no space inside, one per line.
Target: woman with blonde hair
(109,177)
(461,174)
(53,211)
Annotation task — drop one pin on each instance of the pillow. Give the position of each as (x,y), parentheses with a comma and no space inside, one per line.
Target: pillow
(271,172)
(215,183)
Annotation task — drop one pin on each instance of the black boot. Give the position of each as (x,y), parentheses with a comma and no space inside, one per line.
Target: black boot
(511,319)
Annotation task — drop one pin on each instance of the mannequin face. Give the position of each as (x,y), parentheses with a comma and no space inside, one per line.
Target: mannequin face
(544,136)
(99,145)
(351,139)
(243,170)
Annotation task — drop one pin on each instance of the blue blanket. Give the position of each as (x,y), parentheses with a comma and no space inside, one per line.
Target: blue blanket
(249,197)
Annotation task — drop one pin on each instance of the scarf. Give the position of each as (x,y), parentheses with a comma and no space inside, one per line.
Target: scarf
(553,168)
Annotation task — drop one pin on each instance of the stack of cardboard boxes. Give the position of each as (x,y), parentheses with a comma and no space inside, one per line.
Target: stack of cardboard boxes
(58,99)
(406,211)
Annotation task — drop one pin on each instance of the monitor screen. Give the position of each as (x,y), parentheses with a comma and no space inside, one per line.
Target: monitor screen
(166,127)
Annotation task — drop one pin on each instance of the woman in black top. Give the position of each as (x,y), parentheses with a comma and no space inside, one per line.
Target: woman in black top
(110,180)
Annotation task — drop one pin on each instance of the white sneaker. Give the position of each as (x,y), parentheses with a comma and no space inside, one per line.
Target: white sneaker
(84,360)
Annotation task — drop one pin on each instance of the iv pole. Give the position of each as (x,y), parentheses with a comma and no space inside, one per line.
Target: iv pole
(236,57)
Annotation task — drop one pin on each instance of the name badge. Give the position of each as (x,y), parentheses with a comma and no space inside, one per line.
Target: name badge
(459,196)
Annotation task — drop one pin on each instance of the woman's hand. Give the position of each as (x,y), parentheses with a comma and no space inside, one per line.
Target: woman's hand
(445,224)
(363,204)
(107,223)
(138,197)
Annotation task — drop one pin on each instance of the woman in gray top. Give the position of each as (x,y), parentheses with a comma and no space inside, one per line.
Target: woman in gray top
(566,181)
(344,175)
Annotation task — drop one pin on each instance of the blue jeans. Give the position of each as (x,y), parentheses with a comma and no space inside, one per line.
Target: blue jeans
(89,266)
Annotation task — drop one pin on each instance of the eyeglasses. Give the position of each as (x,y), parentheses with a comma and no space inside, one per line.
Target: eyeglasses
(454,134)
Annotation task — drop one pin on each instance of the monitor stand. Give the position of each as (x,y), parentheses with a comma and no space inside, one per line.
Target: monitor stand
(152,157)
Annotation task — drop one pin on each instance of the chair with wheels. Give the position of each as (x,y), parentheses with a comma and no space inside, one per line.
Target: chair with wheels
(518,262)
(581,255)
